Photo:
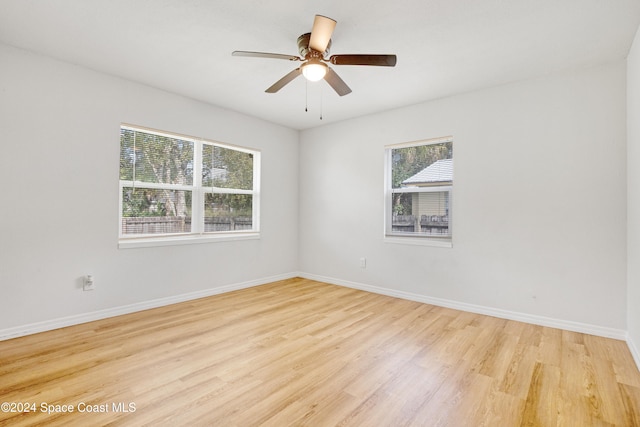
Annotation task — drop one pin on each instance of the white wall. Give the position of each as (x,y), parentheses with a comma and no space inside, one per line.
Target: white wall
(539,199)
(59,212)
(539,202)
(633,201)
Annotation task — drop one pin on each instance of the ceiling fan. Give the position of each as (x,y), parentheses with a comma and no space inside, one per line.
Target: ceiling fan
(314,54)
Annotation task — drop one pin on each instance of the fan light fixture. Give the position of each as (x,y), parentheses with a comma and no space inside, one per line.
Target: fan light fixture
(314,48)
(314,70)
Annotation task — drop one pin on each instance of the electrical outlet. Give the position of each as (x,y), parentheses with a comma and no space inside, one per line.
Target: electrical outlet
(88,284)
(363,262)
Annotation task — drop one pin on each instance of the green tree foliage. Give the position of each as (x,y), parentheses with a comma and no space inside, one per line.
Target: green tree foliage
(408,161)
(151,158)
(227,168)
(144,202)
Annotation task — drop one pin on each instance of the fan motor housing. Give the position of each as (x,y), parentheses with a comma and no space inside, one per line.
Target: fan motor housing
(303,47)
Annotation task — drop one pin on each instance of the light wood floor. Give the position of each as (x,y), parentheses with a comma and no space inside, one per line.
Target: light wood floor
(300,352)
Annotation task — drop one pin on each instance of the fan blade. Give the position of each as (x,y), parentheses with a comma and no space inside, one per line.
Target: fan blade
(321,33)
(379,60)
(284,81)
(265,55)
(337,83)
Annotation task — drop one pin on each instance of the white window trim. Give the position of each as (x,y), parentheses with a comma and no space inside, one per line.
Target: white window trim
(197,234)
(413,238)
(185,239)
(419,241)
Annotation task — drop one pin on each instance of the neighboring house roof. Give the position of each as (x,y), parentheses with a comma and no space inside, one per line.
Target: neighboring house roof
(438,171)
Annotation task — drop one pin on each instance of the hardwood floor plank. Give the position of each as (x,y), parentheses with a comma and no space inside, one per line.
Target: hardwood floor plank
(299,352)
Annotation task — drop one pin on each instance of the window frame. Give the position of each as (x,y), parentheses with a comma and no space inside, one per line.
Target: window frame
(198,193)
(413,238)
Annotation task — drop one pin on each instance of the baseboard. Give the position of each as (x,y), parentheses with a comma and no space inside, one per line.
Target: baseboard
(489,311)
(49,325)
(634,351)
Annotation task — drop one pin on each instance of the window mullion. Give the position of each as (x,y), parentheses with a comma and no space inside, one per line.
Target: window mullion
(434,189)
(222,190)
(156,185)
(197,199)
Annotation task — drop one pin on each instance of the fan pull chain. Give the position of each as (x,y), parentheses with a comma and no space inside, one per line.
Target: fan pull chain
(306,98)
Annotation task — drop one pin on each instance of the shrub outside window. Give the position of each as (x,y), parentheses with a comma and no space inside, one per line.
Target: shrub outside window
(418,187)
(174,186)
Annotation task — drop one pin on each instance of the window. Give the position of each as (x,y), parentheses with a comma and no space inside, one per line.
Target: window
(418,185)
(178,189)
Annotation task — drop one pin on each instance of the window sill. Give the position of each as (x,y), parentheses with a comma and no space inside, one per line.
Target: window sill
(419,241)
(146,242)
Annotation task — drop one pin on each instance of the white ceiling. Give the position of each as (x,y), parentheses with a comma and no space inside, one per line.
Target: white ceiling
(444,47)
